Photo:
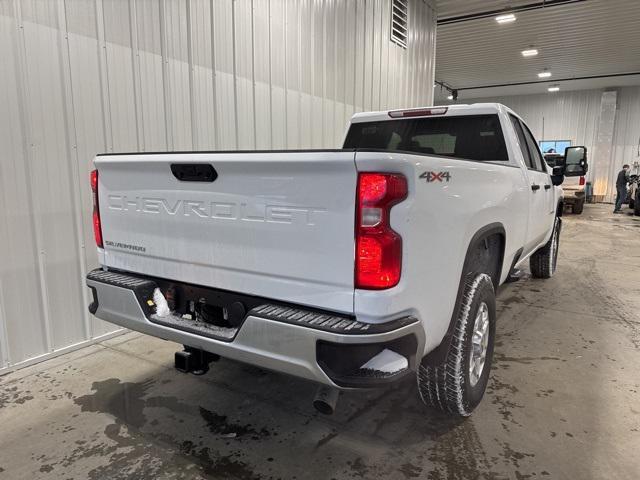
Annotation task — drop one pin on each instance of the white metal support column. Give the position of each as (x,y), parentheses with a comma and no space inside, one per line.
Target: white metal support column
(601,157)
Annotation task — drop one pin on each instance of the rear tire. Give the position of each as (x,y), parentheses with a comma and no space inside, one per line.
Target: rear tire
(457,385)
(577,207)
(543,261)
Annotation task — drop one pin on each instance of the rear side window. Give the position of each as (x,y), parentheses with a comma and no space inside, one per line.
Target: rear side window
(522,142)
(471,137)
(534,151)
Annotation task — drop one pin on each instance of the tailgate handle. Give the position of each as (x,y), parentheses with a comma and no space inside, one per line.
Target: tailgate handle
(194,172)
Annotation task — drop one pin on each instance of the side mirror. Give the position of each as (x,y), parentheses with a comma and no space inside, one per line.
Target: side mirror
(557,175)
(575,161)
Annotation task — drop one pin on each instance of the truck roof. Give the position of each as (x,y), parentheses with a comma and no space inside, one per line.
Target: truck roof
(446,110)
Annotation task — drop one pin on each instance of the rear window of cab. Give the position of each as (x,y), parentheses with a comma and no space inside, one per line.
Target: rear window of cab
(471,137)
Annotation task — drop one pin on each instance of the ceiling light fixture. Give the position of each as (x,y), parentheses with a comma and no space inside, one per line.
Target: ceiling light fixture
(544,74)
(450,97)
(553,89)
(532,52)
(506,18)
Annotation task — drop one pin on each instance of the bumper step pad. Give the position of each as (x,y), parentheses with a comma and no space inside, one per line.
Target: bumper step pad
(323,321)
(120,280)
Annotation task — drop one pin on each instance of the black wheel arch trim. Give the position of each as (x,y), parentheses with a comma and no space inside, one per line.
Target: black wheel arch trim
(516,257)
(479,237)
(437,355)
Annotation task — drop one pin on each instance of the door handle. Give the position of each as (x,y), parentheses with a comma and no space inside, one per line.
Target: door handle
(547,186)
(535,187)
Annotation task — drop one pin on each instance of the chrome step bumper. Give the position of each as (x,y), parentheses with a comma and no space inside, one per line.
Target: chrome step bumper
(279,338)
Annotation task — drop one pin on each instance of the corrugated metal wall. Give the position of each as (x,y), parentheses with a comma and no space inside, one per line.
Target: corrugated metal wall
(575,116)
(80,77)
(626,137)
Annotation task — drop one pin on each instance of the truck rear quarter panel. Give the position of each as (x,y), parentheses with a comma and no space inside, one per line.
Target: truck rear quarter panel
(437,222)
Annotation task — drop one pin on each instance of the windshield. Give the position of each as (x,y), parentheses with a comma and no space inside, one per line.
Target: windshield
(472,137)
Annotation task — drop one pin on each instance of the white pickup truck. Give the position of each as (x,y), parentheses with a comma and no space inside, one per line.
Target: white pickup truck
(352,268)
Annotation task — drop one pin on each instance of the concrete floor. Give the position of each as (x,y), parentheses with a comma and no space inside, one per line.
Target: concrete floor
(563,400)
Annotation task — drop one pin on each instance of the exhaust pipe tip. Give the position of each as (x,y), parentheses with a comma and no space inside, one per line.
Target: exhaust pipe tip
(326,399)
(323,407)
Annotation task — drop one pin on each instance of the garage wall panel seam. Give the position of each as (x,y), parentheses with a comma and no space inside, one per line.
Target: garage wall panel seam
(17,339)
(72,160)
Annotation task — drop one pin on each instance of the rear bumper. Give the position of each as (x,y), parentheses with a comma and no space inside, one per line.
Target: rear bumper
(573,196)
(263,340)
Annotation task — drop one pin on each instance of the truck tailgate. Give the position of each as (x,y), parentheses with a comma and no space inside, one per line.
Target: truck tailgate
(278,224)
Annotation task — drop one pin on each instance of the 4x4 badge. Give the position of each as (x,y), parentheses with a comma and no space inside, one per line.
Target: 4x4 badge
(436,176)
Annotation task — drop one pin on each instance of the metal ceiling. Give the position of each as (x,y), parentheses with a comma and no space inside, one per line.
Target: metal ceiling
(578,39)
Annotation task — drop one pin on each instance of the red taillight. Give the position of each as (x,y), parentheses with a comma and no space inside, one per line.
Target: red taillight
(582,181)
(378,247)
(97,228)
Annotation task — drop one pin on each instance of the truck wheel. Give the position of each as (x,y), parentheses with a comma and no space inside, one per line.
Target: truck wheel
(577,207)
(543,261)
(457,385)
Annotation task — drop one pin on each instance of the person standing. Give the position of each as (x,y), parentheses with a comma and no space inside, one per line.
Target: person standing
(621,188)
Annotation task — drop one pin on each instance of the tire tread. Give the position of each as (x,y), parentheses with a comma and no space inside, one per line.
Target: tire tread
(541,263)
(577,208)
(442,386)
